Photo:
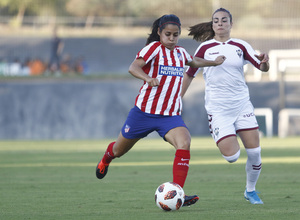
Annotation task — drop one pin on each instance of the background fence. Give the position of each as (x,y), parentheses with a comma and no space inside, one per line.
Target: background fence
(102,37)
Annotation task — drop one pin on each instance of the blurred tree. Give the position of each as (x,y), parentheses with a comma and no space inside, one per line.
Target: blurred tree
(154,8)
(190,11)
(21,6)
(92,8)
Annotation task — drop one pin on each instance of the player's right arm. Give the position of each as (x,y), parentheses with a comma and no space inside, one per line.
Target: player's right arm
(136,69)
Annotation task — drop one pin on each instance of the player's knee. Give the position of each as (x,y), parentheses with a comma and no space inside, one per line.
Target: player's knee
(185,146)
(233,158)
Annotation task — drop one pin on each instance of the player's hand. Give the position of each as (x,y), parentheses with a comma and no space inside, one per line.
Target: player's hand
(220,59)
(152,82)
(264,62)
(264,58)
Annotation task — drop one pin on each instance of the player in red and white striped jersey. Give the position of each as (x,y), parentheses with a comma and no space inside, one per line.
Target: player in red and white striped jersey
(160,64)
(167,66)
(227,100)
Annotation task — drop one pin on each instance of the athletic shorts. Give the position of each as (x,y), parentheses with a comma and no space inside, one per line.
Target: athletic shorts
(139,124)
(225,125)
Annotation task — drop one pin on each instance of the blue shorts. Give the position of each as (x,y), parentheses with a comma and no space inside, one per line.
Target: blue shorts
(139,124)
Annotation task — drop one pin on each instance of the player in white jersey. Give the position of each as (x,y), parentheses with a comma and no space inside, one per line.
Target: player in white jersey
(160,64)
(227,99)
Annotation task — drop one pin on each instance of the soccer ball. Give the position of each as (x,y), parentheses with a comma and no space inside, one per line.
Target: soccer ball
(169,196)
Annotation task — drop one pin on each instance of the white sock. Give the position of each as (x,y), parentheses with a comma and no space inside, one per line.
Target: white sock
(253,167)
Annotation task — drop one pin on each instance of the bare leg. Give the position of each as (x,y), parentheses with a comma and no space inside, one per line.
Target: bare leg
(123,145)
(179,137)
(250,138)
(229,146)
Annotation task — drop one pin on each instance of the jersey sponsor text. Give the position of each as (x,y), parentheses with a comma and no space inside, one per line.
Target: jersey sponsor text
(171,70)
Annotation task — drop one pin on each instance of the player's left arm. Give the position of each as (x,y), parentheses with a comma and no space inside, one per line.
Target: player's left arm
(187,79)
(260,61)
(264,62)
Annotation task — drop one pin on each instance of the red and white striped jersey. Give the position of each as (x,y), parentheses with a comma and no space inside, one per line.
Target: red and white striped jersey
(168,67)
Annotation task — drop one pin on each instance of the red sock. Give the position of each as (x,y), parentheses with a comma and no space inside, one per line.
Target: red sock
(109,155)
(181,166)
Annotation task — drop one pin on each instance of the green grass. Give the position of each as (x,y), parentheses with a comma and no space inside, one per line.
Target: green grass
(56,180)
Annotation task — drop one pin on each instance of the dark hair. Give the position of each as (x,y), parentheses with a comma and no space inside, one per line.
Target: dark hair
(203,31)
(160,24)
(224,10)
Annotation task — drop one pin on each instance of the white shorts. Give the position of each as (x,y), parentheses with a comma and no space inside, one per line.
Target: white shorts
(222,125)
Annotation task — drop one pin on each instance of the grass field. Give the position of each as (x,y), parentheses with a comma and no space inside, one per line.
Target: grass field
(56,180)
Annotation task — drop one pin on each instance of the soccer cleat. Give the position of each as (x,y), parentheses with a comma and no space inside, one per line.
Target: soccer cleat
(101,170)
(252,197)
(190,200)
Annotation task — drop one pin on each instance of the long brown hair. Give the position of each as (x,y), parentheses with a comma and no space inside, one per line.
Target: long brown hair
(203,31)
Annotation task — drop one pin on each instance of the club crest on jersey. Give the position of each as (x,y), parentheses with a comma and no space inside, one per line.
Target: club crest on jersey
(239,53)
(170,70)
(127,128)
(179,56)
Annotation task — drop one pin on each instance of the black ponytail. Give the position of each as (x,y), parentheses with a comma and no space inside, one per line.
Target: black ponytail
(154,36)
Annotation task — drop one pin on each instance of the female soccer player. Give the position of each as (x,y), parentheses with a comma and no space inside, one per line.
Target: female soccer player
(160,64)
(227,99)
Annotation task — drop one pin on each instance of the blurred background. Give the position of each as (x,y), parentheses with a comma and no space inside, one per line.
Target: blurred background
(64,63)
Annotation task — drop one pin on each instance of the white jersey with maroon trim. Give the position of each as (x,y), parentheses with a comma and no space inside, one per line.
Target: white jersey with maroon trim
(225,86)
(168,67)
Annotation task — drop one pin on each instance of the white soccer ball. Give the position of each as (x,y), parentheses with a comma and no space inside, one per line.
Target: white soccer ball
(169,196)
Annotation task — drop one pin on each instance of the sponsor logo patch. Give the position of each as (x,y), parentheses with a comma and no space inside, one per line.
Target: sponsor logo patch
(248,115)
(214,53)
(171,70)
